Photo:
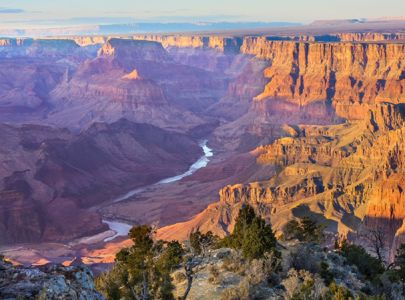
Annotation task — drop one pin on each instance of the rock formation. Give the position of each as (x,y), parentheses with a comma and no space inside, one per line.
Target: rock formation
(314,69)
(345,74)
(47,282)
(348,176)
(167,94)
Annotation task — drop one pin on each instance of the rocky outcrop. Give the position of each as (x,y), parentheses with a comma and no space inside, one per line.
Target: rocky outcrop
(103,82)
(129,52)
(370,37)
(85,41)
(134,75)
(47,282)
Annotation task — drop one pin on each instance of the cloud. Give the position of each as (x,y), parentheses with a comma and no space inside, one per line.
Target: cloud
(7,10)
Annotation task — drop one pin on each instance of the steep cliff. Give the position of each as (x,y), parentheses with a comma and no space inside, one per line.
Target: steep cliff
(349,70)
(348,75)
(225,44)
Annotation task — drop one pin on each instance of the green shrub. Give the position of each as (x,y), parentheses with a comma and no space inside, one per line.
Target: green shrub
(251,235)
(146,263)
(356,255)
(326,274)
(306,230)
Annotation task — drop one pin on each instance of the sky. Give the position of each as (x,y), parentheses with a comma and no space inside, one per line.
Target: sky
(33,12)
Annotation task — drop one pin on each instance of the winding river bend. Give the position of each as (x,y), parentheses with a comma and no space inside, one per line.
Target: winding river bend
(122,229)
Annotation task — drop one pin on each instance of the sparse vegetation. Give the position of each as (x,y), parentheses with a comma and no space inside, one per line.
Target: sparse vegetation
(234,263)
(215,275)
(200,242)
(253,268)
(356,255)
(305,230)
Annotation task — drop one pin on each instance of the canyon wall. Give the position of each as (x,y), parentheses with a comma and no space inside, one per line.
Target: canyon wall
(50,177)
(349,75)
(351,71)
(234,43)
(349,177)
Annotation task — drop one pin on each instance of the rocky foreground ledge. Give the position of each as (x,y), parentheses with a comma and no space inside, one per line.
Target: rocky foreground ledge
(47,282)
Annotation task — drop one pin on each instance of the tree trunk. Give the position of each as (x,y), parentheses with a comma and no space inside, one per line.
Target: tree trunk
(189,274)
(145,289)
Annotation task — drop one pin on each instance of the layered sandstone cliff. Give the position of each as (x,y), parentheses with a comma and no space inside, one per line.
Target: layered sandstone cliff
(335,68)
(345,74)
(233,44)
(348,71)
(183,83)
(348,177)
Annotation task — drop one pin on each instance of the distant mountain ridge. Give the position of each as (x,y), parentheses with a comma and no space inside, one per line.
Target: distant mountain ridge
(141,27)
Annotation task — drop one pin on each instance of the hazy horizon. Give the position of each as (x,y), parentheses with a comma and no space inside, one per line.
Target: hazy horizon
(43,13)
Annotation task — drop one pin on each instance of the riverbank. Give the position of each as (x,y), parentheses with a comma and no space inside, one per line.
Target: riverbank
(122,229)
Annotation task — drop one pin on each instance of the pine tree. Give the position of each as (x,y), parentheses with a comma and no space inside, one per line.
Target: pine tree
(143,270)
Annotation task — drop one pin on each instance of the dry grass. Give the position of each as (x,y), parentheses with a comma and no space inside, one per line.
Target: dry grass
(235,264)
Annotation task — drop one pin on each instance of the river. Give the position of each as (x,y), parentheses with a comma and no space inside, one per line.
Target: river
(122,229)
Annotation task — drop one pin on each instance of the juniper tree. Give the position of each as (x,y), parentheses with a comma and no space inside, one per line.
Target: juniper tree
(251,235)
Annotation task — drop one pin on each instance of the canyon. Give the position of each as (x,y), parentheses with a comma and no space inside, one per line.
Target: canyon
(304,124)
(347,176)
